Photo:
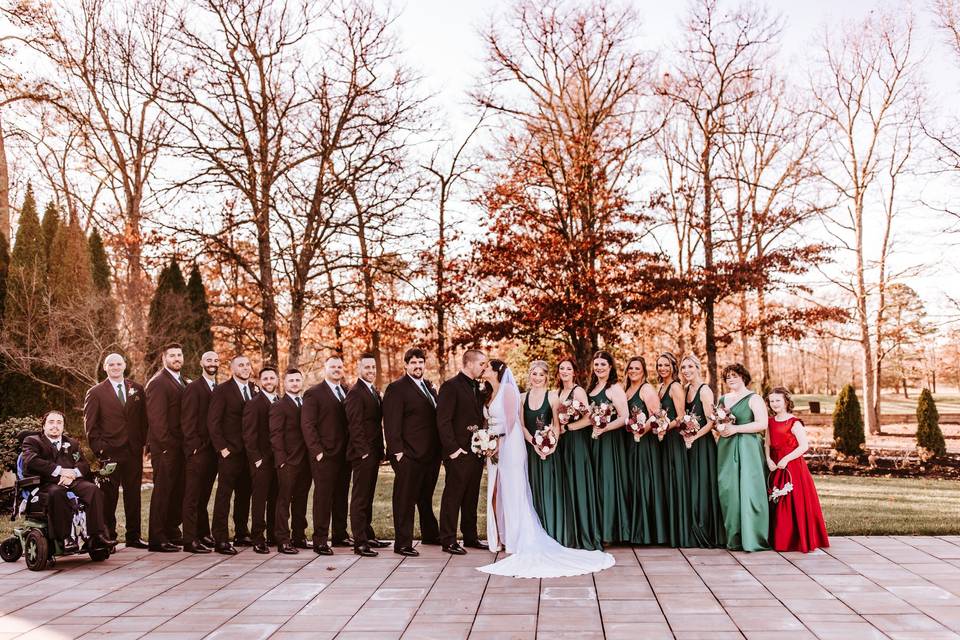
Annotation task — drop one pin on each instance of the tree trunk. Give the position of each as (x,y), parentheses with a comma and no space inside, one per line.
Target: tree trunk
(441,282)
(709,299)
(295,328)
(334,307)
(4,189)
(744,338)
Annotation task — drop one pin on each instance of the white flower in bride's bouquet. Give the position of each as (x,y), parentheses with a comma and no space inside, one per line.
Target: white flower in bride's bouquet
(491,444)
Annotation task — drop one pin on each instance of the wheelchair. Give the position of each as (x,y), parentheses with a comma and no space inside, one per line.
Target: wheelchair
(32,539)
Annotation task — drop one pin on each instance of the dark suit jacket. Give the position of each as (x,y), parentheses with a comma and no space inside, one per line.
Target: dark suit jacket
(256,429)
(193,415)
(286,436)
(225,416)
(324,421)
(163,412)
(410,420)
(114,429)
(364,422)
(458,407)
(40,458)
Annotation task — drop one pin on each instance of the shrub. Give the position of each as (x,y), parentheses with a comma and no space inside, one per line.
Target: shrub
(848,437)
(929,435)
(9,445)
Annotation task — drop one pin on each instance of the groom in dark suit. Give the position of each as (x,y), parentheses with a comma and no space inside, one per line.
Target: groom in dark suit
(458,407)
(413,448)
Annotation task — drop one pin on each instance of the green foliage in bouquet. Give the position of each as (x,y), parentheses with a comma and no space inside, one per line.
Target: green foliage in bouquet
(848,437)
(929,435)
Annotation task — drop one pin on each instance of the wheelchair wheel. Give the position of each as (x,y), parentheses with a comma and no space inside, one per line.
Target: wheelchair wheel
(99,555)
(37,551)
(11,549)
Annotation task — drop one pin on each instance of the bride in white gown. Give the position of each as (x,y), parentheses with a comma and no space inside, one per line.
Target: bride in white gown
(512,521)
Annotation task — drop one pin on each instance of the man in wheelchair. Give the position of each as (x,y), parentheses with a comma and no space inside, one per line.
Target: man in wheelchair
(57,460)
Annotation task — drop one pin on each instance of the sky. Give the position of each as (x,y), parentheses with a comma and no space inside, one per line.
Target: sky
(442,42)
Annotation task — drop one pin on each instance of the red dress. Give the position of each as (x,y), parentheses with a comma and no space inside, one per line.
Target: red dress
(796,520)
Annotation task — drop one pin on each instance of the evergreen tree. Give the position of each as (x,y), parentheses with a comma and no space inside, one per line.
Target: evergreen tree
(70,279)
(107,309)
(99,265)
(848,435)
(50,225)
(169,316)
(200,336)
(4,267)
(929,435)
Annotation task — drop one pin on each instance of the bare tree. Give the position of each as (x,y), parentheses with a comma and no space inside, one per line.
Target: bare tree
(868,95)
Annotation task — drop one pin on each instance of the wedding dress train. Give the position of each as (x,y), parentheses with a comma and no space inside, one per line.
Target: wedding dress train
(512,521)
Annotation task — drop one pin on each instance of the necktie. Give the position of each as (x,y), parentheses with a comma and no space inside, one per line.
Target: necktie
(299,402)
(275,400)
(246,392)
(340,395)
(120,394)
(376,394)
(426,392)
(57,445)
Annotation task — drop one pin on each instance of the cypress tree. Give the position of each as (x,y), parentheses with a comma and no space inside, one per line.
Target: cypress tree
(200,335)
(848,434)
(929,435)
(50,225)
(4,267)
(70,280)
(99,265)
(169,316)
(107,306)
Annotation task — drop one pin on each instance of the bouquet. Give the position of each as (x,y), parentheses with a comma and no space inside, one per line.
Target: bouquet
(483,443)
(544,439)
(635,423)
(776,492)
(660,423)
(600,414)
(570,410)
(722,418)
(689,426)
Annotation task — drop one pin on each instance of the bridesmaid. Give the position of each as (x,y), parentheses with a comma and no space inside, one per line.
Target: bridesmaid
(579,476)
(796,520)
(609,452)
(645,474)
(539,406)
(741,480)
(673,453)
(707,518)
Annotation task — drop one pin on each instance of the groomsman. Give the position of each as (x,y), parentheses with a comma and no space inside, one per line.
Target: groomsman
(201,461)
(458,407)
(225,423)
(164,436)
(115,420)
(324,424)
(293,470)
(263,475)
(413,448)
(364,452)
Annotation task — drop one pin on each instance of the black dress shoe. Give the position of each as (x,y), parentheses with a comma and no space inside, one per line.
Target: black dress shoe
(377,544)
(476,544)
(271,541)
(177,542)
(208,542)
(454,549)
(243,541)
(323,550)
(196,547)
(409,552)
(163,547)
(287,548)
(137,543)
(365,551)
(101,541)
(227,549)
(343,542)
(301,543)
(434,541)
(261,547)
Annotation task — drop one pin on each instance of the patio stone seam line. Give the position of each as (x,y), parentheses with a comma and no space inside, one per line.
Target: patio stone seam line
(426,594)
(352,615)
(486,583)
(593,578)
(654,591)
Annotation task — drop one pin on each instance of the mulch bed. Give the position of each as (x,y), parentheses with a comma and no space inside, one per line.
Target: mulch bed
(884,463)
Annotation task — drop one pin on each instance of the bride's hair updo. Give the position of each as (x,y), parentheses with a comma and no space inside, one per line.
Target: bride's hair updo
(486,391)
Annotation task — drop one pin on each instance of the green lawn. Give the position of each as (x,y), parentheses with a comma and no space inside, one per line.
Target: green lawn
(852,506)
(892,403)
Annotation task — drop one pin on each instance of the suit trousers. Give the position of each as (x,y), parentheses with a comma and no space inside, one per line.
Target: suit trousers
(429,527)
(263,501)
(461,494)
(230,473)
(241,502)
(60,508)
(201,472)
(166,502)
(293,482)
(330,496)
(129,475)
(365,472)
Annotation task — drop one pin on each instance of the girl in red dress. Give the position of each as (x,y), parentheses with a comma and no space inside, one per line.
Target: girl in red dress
(796,520)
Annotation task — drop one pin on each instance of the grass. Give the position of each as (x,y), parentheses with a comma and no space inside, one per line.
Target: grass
(851,505)
(892,403)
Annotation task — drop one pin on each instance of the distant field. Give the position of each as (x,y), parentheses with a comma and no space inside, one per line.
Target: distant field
(946,402)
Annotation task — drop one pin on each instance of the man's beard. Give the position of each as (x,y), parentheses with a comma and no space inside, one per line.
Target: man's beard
(211,371)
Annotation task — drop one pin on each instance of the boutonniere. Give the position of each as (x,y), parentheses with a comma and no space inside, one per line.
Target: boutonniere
(64,446)
(131,392)
(187,381)
(76,457)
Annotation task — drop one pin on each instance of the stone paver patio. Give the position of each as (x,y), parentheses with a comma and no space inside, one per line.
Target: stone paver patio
(863,587)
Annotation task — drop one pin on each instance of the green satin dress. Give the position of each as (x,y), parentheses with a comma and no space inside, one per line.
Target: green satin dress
(613,476)
(707,518)
(648,512)
(580,489)
(546,481)
(676,480)
(742,484)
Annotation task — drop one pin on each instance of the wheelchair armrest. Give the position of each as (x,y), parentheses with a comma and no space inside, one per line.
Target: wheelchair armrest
(28,482)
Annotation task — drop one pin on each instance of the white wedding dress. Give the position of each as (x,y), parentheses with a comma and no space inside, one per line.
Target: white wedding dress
(512,521)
